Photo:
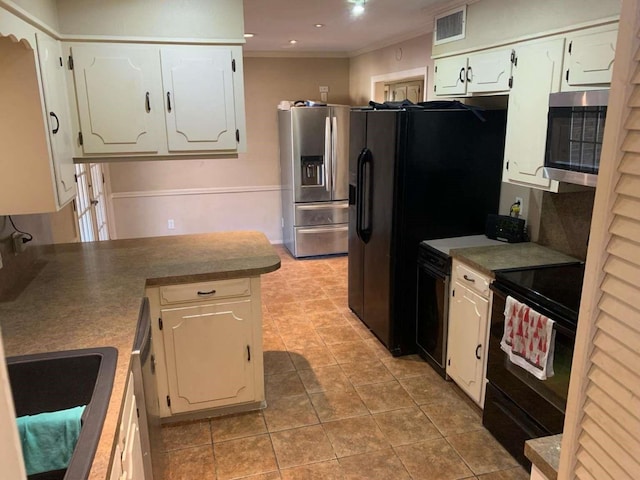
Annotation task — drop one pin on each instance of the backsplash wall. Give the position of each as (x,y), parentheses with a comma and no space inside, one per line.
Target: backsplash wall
(565,221)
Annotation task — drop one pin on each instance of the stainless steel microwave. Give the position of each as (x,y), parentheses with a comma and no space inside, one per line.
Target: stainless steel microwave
(574,136)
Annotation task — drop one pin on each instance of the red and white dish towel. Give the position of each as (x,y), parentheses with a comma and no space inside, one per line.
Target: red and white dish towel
(528,339)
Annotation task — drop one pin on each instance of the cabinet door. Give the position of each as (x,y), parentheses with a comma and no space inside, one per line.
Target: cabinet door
(536,74)
(118,94)
(208,355)
(58,114)
(489,72)
(199,102)
(468,315)
(450,76)
(589,60)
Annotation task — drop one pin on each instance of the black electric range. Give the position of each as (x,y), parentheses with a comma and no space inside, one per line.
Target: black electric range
(518,406)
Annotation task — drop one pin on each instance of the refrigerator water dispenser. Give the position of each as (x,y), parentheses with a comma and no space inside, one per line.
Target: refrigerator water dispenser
(312,171)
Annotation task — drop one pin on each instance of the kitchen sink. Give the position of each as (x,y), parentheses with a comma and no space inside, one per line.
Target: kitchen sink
(47,382)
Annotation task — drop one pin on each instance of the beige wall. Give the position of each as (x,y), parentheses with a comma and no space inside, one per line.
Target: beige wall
(219,19)
(44,10)
(495,21)
(407,55)
(231,180)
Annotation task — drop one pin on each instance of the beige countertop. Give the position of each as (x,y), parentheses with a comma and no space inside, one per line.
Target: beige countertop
(509,255)
(86,295)
(544,453)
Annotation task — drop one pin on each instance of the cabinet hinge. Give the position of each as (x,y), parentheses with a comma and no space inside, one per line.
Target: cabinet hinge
(449,362)
(80,139)
(507,167)
(160,323)
(513,56)
(570,46)
(168,401)
(233,65)
(453,293)
(103,178)
(70,62)
(75,177)
(435,69)
(74,205)
(567,75)
(510,82)
(61,62)
(238,136)
(248,353)
(137,412)
(434,88)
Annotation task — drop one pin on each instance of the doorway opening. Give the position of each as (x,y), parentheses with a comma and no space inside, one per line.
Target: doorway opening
(392,86)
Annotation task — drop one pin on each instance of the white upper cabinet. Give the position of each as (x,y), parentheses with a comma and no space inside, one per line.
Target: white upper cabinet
(199,103)
(58,114)
(450,76)
(589,59)
(35,132)
(489,72)
(158,100)
(536,74)
(118,93)
(486,72)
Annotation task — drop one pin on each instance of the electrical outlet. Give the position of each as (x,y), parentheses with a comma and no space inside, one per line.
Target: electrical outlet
(170,224)
(519,199)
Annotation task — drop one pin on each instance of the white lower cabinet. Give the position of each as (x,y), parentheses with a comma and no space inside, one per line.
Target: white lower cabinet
(128,463)
(208,343)
(536,74)
(469,310)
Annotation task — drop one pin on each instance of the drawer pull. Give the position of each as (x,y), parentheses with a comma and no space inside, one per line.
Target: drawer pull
(469,279)
(205,294)
(478,348)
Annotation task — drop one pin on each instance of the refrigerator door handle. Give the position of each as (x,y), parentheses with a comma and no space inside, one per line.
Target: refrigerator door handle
(328,157)
(334,160)
(367,175)
(362,233)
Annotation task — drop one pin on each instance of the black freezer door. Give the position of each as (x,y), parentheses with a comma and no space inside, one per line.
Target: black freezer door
(357,142)
(371,173)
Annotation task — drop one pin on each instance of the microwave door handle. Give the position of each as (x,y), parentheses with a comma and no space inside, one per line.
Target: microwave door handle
(327,152)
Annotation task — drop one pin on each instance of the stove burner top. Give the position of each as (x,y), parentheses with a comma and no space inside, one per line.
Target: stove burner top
(557,288)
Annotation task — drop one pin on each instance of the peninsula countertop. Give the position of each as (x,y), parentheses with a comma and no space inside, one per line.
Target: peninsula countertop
(85,295)
(488,259)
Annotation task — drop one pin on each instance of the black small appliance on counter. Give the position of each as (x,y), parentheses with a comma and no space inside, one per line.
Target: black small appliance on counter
(505,228)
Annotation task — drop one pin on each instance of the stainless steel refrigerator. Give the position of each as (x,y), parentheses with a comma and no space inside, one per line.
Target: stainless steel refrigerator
(414,175)
(314,167)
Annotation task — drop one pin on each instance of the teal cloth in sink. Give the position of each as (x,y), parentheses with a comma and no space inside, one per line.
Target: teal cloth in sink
(48,439)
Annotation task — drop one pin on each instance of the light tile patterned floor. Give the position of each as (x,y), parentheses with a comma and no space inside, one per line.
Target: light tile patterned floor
(339,405)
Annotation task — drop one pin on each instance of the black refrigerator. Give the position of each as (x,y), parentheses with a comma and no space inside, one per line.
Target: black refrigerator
(415,174)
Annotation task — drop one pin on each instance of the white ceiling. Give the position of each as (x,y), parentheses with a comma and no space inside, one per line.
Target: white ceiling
(275,22)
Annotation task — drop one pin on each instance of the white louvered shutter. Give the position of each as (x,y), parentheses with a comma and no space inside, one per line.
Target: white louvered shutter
(602,428)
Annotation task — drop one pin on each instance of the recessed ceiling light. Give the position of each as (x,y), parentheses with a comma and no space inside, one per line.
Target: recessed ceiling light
(319,25)
(293,42)
(358,7)
(249,35)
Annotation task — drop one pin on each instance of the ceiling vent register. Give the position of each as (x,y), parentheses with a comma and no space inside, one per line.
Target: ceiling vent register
(450,26)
